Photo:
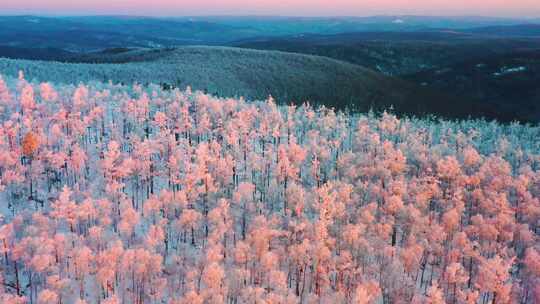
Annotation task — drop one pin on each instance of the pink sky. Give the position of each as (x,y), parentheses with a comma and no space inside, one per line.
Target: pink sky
(514,8)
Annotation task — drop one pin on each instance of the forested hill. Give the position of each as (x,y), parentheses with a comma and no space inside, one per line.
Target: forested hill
(254,74)
(136,195)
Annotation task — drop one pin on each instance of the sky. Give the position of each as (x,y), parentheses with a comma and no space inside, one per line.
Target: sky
(503,8)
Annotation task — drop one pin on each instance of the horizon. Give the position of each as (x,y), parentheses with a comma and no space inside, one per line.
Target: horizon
(520,9)
(68,15)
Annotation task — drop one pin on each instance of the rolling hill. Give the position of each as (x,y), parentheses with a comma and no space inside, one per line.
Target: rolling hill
(397,53)
(98,32)
(84,33)
(255,75)
(518,30)
(494,66)
(35,53)
(507,81)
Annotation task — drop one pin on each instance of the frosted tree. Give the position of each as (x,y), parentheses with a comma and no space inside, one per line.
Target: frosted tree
(134,194)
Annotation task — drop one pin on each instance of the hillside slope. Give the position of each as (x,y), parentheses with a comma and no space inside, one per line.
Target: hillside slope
(396,53)
(255,75)
(509,82)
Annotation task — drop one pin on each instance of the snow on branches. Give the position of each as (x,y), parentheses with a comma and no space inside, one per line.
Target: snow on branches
(115,194)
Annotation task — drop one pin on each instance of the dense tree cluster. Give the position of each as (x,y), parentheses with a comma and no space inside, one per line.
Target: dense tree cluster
(115,194)
(233,72)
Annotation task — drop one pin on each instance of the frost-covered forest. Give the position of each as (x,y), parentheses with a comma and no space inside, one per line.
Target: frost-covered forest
(219,71)
(233,72)
(134,194)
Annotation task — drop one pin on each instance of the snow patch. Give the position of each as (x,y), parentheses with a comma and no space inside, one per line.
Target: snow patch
(511,70)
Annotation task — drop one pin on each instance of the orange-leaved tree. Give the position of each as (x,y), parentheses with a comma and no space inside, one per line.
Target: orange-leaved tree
(30,144)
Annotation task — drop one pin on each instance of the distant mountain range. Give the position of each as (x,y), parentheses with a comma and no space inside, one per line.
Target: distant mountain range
(95,32)
(519,30)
